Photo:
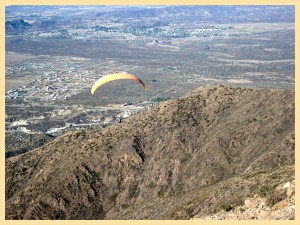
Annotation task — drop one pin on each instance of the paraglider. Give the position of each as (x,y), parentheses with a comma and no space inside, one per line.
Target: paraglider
(115,76)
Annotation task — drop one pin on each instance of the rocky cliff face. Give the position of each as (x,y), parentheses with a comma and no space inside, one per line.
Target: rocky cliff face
(163,164)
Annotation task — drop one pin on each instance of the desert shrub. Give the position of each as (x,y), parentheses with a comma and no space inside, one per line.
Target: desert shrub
(133,191)
(264,190)
(152,185)
(226,206)
(275,196)
(162,190)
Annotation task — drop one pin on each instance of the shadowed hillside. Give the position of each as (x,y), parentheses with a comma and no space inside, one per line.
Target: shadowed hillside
(195,156)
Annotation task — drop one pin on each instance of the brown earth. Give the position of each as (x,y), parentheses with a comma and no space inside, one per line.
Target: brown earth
(188,157)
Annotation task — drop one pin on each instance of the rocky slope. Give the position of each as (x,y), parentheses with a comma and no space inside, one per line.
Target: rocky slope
(185,158)
(278,205)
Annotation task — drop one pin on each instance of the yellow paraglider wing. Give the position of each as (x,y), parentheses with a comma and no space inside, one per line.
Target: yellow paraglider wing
(115,76)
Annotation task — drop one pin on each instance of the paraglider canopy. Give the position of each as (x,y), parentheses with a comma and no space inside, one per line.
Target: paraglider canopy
(115,76)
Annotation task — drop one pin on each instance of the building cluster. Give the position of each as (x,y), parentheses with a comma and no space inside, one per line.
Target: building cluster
(51,85)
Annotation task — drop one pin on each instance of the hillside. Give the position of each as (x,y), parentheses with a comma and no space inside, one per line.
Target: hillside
(186,158)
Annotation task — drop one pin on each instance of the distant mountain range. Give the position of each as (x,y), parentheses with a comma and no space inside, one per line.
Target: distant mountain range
(205,152)
(220,14)
(216,14)
(16,26)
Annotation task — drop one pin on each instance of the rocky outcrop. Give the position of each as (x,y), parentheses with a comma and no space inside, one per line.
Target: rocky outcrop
(278,204)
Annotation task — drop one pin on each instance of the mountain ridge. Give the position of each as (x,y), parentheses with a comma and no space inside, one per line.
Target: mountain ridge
(208,136)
